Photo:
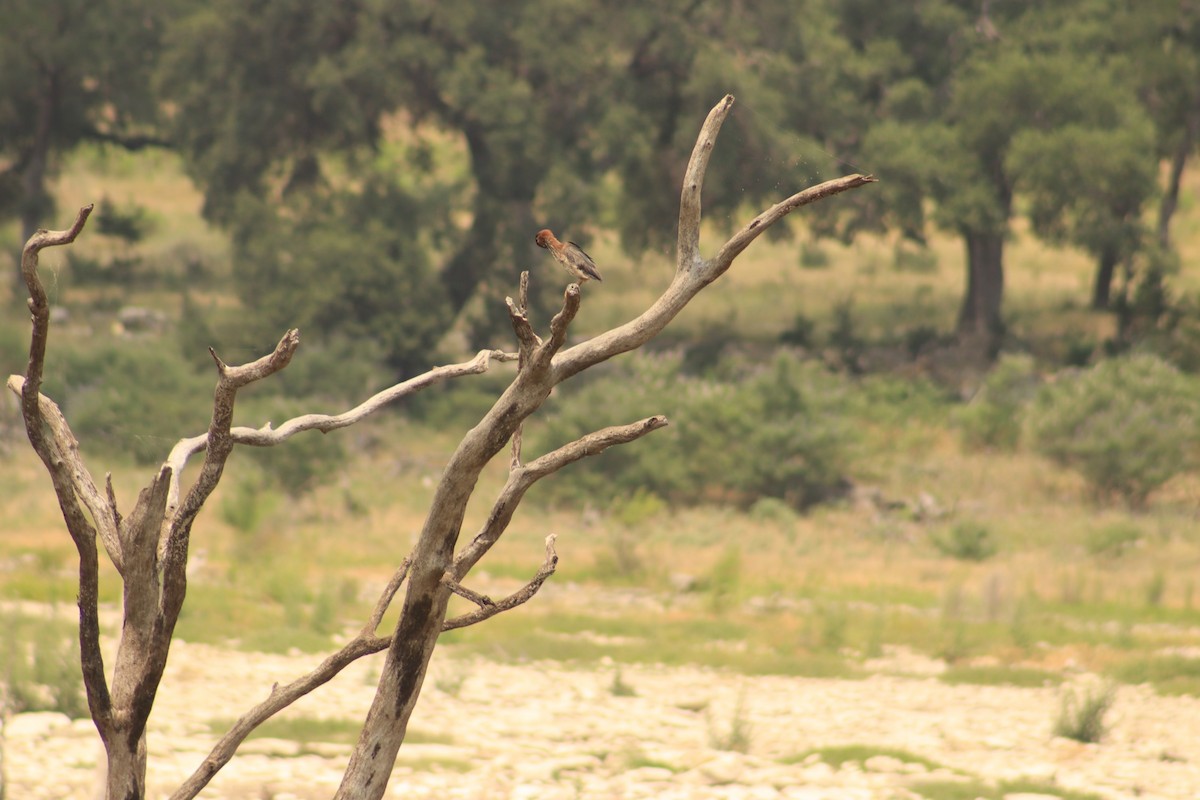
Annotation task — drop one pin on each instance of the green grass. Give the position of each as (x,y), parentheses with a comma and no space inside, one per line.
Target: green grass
(1024,677)
(837,755)
(749,646)
(434,763)
(979,790)
(306,730)
(1170,675)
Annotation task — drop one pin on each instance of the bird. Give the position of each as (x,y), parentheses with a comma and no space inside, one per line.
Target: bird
(570,255)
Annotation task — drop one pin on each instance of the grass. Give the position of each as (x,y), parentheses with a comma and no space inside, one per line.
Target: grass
(1170,675)
(1081,713)
(837,755)
(980,790)
(1023,677)
(307,730)
(737,734)
(39,666)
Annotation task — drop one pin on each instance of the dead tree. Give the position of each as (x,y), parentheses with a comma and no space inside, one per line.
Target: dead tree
(148,544)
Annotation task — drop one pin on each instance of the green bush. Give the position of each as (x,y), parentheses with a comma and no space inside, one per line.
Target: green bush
(1081,715)
(1128,425)
(992,420)
(135,398)
(306,459)
(967,541)
(776,433)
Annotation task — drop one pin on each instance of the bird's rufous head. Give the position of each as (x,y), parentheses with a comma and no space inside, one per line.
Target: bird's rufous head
(544,237)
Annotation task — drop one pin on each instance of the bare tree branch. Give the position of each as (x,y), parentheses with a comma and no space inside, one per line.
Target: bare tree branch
(742,239)
(64,474)
(520,319)
(522,595)
(481,600)
(173,542)
(102,508)
(520,479)
(364,644)
(539,359)
(267,436)
(687,247)
(279,699)
(425,602)
(219,442)
(385,599)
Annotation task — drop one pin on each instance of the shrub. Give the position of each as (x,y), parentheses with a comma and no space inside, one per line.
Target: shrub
(992,420)
(1112,540)
(737,735)
(1081,715)
(134,397)
(967,541)
(791,441)
(1127,425)
(303,461)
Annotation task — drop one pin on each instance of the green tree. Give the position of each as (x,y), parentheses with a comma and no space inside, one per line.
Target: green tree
(1114,168)
(961,133)
(71,71)
(1152,48)
(540,113)
(280,110)
(1160,42)
(1127,425)
(347,264)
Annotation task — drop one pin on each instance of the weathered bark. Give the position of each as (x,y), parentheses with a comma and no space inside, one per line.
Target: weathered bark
(980,315)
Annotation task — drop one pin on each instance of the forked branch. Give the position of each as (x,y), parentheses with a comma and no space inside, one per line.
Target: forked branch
(60,454)
(524,594)
(268,436)
(522,477)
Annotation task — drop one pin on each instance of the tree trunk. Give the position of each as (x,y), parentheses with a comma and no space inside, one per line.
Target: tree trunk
(1102,289)
(126,778)
(35,201)
(499,233)
(425,603)
(979,316)
(1170,198)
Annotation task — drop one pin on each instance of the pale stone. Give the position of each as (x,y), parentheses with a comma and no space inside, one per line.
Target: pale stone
(725,768)
(883,764)
(35,724)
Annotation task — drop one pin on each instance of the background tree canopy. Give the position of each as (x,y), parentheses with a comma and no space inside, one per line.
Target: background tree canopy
(453,130)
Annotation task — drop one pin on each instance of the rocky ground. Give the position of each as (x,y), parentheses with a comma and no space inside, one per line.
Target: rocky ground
(544,731)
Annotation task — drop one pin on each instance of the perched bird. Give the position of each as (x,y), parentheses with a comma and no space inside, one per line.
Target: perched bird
(570,255)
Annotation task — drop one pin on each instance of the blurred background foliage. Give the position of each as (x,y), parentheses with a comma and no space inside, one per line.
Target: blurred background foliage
(372,172)
(953,411)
